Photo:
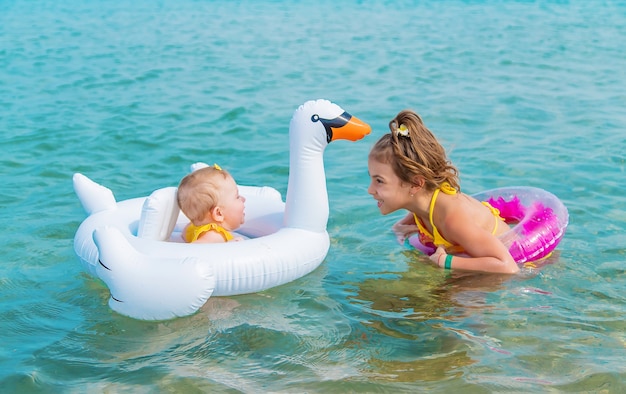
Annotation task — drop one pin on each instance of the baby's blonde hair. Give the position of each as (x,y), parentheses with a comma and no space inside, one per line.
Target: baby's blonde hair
(199,192)
(413,151)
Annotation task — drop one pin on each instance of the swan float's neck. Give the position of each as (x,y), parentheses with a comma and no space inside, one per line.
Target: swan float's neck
(313,126)
(307,198)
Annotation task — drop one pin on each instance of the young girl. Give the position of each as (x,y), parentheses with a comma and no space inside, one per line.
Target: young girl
(210,199)
(409,170)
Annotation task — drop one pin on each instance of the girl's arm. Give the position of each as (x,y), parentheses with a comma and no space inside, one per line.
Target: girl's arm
(404,228)
(485,252)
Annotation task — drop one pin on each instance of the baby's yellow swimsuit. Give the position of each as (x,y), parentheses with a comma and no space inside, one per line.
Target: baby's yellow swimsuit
(436,239)
(193,232)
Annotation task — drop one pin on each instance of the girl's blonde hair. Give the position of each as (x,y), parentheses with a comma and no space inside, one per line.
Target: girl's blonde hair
(413,151)
(198,193)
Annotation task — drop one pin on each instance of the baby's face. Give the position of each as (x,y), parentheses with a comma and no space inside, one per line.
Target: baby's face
(232,205)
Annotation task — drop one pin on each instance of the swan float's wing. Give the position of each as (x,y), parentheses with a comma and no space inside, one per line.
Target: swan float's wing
(148,288)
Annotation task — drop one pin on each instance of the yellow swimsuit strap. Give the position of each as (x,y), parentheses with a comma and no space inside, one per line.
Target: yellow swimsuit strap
(496,215)
(437,238)
(447,189)
(193,232)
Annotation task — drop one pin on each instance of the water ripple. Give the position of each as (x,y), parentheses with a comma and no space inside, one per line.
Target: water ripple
(131,95)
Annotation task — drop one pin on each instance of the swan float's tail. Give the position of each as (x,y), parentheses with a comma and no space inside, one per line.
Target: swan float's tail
(93,196)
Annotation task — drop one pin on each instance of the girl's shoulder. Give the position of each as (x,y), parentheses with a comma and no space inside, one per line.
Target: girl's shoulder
(458,210)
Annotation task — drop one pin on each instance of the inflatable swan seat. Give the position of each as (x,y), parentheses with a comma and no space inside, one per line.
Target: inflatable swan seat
(134,246)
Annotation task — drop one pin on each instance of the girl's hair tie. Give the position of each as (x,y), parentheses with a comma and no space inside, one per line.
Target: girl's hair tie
(402,130)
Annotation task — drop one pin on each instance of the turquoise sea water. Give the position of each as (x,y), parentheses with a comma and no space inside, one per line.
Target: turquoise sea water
(520,92)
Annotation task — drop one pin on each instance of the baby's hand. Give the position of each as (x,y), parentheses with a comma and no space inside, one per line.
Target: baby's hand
(440,254)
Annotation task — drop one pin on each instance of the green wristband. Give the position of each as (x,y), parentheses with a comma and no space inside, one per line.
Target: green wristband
(448,264)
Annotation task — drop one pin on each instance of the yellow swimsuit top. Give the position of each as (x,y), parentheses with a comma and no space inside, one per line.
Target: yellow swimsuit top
(192,232)
(435,237)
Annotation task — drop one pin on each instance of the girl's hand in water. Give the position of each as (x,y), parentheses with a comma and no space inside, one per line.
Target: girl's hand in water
(439,257)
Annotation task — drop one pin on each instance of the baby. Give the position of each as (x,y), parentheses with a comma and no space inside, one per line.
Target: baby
(209,197)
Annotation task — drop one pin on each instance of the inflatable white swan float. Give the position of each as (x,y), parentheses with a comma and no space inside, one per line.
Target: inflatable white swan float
(133,245)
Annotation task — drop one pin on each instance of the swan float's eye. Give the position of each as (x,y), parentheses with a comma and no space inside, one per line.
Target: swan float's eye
(329,130)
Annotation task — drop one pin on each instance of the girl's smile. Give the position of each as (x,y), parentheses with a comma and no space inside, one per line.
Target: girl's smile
(387,189)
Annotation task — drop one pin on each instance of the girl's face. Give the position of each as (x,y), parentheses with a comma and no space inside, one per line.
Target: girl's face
(232,205)
(386,188)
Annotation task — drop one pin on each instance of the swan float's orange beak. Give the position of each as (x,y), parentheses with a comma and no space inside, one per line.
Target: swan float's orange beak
(345,127)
